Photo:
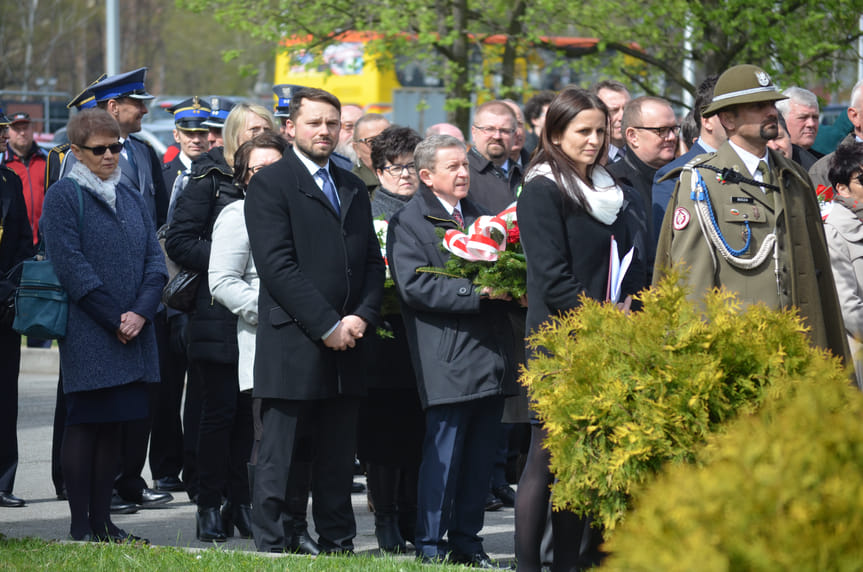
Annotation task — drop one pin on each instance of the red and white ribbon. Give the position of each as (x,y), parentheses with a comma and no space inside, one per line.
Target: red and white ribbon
(478,244)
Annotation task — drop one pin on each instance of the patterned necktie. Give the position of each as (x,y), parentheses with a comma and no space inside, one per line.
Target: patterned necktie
(329,189)
(456,215)
(765,174)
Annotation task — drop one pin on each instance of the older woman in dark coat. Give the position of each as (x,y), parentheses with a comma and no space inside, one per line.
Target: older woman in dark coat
(112,268)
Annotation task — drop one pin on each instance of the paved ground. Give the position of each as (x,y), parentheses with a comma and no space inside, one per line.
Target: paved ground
(171,525)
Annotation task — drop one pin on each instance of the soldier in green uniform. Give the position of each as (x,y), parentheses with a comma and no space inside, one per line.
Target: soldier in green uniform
(747,219)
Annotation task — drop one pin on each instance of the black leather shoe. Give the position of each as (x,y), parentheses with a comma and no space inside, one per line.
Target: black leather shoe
(118,537)
(478,560)
(9,500)
(357,487)
(120,506)
(426,559)
(505,494)
(208,525)
(150,498)
(168,484)
(387,533)
(492,503)
(302,543)
(239,516)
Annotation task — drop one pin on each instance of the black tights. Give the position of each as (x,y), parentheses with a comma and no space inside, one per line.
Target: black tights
(89,458)
(531,510)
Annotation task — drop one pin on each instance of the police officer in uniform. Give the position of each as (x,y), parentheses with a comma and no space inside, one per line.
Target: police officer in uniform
(190,133)
(747,219)
(220,107)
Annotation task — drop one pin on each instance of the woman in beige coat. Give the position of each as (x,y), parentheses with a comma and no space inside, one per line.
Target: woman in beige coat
(844,229)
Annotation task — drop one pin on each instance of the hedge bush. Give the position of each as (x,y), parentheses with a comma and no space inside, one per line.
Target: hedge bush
(622,395)
(782,490)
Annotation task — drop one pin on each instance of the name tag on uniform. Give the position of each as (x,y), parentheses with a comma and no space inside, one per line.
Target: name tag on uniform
(743,200)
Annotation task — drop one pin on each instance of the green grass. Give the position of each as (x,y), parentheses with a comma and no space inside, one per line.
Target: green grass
(35,554)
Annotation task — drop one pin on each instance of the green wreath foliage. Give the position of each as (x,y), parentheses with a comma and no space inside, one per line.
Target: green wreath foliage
(623,395)
(781,490)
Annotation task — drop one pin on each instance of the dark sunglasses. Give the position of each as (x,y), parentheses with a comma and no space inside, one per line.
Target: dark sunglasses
(100,149)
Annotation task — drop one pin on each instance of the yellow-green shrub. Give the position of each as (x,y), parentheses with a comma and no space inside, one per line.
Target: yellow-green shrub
(781,490)
(623,395)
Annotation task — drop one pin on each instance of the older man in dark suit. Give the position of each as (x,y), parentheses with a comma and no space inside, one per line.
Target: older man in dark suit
(460,342)
(322,275)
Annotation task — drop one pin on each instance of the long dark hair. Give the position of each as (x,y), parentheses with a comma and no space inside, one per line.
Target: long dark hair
(571,101)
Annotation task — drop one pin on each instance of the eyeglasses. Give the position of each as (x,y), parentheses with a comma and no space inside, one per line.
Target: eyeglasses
(859,178)
(489,130)
(398,170)
(662,132)
(100,149)
(255,168)
(367,140)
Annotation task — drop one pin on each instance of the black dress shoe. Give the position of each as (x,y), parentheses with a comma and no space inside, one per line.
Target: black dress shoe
(357,487)
(239,516)
(120,506)
(168,484)
(302,543)
(426,559)
(387,533)
(9,500)
(119,537)
(61,495)
(477,560)
(208,525)
(505,494)
(150,498)
(492,503)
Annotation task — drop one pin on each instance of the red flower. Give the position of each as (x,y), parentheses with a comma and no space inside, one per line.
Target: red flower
(512,234)
(824,193)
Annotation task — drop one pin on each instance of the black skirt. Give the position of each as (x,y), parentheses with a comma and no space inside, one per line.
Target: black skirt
(128,402)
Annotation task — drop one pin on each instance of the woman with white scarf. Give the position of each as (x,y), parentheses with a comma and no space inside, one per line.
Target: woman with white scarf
(570,212)
(100,239)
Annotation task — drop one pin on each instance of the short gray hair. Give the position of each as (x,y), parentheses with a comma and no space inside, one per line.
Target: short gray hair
(799,96)
(425,155)
(856,94)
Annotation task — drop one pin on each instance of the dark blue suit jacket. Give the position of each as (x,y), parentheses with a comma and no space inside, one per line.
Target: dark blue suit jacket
(662,191)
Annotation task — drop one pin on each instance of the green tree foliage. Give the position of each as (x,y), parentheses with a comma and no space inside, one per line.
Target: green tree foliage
(794,40)
(782,490)
(441,33)
(622,395)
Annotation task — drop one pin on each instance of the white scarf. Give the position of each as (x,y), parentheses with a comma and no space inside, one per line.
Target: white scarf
(106,189)
(604,200)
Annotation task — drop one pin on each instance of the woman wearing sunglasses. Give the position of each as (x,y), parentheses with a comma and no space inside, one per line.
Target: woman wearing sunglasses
(100,238)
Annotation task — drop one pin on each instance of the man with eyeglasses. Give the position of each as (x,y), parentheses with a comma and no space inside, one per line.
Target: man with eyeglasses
(650,129)
(366,129)
(746,218)
(494,177)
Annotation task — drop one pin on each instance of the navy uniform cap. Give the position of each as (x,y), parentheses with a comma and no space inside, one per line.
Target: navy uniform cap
(284,91)
(85,99)
(129,84)
(4,121)
(220,107)
(190,114)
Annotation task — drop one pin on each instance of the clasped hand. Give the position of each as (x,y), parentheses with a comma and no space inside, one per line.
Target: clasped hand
(345,336)
(131,325)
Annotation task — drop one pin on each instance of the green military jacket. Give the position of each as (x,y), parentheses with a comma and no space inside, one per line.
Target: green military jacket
(785,262)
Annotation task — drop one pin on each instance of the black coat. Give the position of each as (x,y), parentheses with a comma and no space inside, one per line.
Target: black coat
(315,267)
(16,243)
(461,346)
(212,330)
(489,186)
(567,250)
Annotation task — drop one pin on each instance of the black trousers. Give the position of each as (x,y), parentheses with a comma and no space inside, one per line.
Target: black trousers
(328,428)
(166,434)
(10,350)
(225,436)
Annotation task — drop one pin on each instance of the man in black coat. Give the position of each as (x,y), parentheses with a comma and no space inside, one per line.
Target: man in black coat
(16,244)
(460,342)
(322,275)
(494,177)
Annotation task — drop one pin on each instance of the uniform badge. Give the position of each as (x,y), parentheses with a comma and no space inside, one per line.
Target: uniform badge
(763,78)
(681,218)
